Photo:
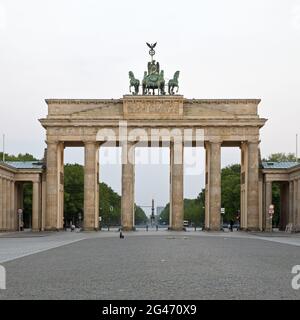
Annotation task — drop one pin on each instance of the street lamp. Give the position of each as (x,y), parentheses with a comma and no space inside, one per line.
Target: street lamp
(20,215)
(79,218)
(111,209)
(100,218)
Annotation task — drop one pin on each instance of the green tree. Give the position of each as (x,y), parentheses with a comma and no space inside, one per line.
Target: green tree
(231,191)
(193,211)
(110,205)
(164,215)
(19,157)
(73,191)
(281,157)
(140,216)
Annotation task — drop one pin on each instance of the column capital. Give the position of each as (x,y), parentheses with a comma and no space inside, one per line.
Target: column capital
(92,143)
(51,142)
(128,142)
(214,141)
(254,141)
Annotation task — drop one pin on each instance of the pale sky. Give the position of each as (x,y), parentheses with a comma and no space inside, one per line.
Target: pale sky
(85,48)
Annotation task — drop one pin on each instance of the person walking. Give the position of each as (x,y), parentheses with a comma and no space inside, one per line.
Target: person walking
(231,225)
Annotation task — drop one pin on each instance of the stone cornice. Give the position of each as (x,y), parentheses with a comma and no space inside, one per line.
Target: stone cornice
(185,100)
(82,101)
(229,122)
(222,101)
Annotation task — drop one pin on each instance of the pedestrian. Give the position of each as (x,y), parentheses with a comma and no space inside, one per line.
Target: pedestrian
(231,225)
(146,227)
(157,227)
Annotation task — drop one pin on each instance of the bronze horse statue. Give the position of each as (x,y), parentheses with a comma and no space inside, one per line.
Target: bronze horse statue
(154,81)
(173,83)
(134,83)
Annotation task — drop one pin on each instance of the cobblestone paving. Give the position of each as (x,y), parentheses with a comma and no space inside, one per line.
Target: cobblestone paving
(149,265)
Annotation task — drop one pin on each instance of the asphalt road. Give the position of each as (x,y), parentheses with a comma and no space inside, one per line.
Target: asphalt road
(161,266)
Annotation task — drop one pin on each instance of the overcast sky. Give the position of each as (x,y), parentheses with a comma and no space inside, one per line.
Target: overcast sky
(85,48)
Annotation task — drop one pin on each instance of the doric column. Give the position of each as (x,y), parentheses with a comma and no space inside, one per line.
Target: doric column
(291,198)
(35,206)
(52,194)
(213,186)
(284,205)
(176,186)
(1,204)
(297,217)
(261,202)
(4,203)
(253,195)
(43,201)
(128,181)
(19,201)
(268,202)
(244,185)
(13,210)
(60,218)
(295,201)
(91,186)
(8,204)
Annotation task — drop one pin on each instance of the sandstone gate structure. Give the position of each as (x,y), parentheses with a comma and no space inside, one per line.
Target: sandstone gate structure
(224,123)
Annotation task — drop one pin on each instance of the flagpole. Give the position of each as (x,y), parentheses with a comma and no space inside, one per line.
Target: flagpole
(296,147)
(3,155)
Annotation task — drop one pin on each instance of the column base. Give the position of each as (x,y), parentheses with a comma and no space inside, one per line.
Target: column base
(176,229)
(212,229)
(128,229)
(251,229)
(52,229)
(90,229)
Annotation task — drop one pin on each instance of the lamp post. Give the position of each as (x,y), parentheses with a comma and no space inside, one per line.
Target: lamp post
(152,213)
(79,218)
(111,209)
(20,216)
(100,218)
(222,216)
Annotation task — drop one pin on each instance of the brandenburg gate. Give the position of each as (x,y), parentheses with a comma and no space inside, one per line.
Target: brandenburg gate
(128,121)
(151,119)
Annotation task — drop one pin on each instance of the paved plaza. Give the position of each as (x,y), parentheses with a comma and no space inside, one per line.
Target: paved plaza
(149,265)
